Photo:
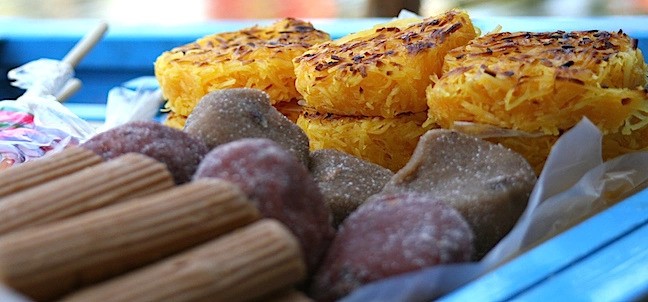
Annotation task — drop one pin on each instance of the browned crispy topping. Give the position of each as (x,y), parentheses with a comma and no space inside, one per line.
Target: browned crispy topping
(382,43)
(314,115)
(572,80)
(594,43)
(578,50)
(568,63)
(489,71)
(286,33)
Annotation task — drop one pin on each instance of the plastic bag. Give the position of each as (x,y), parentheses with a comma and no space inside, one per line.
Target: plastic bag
(139,99)
(36,123)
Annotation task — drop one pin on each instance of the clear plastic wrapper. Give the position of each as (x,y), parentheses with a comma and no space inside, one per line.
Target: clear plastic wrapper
(36,123)
(139,99)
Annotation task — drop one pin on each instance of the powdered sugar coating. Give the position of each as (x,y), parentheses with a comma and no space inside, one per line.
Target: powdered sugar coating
(227,115)
(487,183)
(388,235)
(179,151)
(345,180)
(279,185)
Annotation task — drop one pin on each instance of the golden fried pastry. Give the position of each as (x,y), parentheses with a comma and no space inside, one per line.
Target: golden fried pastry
(536,149)
(175,120)
(382,71)
(256,57)
(543,82)
(291,109)
(388,142)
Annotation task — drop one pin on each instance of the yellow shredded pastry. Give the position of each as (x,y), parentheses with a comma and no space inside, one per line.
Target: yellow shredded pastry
(175,120)
(256,57)
(536,149)
(543,82)
(382,71)
(388,142)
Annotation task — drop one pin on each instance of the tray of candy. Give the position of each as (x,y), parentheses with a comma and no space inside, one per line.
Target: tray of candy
(535,274)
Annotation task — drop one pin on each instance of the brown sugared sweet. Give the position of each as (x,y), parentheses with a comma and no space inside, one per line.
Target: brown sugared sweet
(227,115)
(487,183)
(388,235)
(279,185)
(345,180)
(179,151)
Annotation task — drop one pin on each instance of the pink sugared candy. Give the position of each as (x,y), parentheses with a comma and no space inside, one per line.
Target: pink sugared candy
(388,235)
(178,150)
(279,185)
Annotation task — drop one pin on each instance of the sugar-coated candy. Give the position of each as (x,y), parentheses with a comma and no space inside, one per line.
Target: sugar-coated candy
(279,185)
(389,235)
(346,181)
(226,115)
(178,150)
(487,183)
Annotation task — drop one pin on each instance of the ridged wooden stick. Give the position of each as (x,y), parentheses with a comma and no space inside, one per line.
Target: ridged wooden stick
(246,264)
(42,170)
(48,261)
(127,176)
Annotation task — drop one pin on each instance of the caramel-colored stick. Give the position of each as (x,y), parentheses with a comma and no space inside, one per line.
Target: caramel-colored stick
(42,170)
(48,261)
(248,263)
(70,88)
(127,176)
(87,42)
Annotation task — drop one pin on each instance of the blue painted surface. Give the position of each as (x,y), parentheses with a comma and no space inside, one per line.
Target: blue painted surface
(618,272)
(582,250)
(89,112)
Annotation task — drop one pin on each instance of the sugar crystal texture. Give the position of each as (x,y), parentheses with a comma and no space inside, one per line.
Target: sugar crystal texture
(226,115)
(178,150)
(388,235)
(487,183)
(279,185)
(345,180)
